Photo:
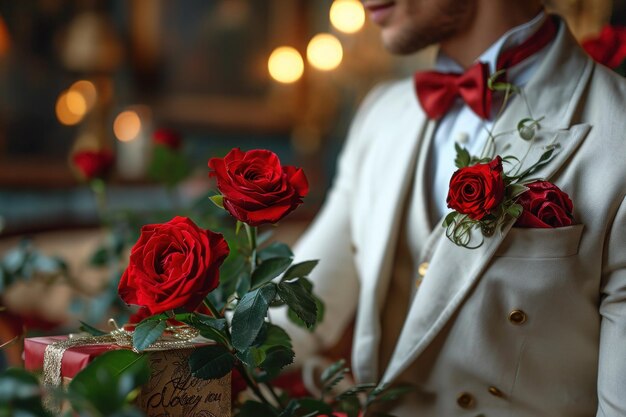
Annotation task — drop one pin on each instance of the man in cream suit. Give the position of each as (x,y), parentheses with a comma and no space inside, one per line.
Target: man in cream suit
(532,323)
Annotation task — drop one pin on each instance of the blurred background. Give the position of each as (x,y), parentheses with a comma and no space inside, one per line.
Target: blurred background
(159,87)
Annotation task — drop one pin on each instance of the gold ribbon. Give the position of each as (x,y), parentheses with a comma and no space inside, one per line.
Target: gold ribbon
(175,337)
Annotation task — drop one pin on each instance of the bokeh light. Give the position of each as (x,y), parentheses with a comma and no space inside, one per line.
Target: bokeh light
(76,103)
(87,90)
(285,65)
(348,16)
(324,52)
(127,125)
(70,108)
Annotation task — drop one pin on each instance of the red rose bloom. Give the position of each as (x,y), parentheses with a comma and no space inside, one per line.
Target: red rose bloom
(609,48)
(167,138)
(477,190)
(173,265)
(256,188)
(93,164)
(545,205)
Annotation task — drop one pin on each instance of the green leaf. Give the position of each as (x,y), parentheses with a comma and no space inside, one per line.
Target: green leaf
(318,319)
(218,200)
(291,408)
(244,283)
(211,362)
(515,210)
(463,157)
(333,370)
(147,332)
(299,300)
(311,404)
(210,327)
(108,380)
(90,329)
(250,314)
(100,257)
(276,359)
(18,385)
(513,190)
(256,409)
(355,390)
(269,270)
(238,226)
(272,335)
(252,356)
(274,250)
(449,219)
(384,393)
(350,406)
(393,393)
(299,270)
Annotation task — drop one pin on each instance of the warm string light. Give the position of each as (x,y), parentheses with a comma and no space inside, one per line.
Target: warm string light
(285,65)
(324,52)
(347,16)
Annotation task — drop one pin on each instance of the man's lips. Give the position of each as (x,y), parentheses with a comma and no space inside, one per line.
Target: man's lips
(373,5)
(379,10)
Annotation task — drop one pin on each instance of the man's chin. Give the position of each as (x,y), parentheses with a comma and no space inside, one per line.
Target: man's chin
(401,43)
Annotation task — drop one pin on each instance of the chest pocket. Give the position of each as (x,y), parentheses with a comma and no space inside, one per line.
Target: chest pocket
(537,243)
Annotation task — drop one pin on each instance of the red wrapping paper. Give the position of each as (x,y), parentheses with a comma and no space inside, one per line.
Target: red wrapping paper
(74,359)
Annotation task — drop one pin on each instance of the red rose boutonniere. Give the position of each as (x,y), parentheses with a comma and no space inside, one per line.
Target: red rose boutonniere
(255,188)
(484,196)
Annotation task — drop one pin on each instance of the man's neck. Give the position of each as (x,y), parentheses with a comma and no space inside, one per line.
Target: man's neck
(490,23)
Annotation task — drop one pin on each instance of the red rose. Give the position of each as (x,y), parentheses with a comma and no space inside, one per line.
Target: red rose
(477,190)
(609,48)
(93,164)
(545,205)
(173,265)
(167,138)
(256,188)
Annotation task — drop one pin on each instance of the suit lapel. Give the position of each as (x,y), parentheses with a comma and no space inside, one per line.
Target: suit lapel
(397,153)
(454,271)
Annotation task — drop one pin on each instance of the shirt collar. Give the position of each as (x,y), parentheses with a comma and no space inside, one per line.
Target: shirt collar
(513,37)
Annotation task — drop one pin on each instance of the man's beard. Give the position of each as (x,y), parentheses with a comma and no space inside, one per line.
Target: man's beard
(450,20)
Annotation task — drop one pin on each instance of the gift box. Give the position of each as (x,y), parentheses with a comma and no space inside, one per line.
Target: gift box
(171,391)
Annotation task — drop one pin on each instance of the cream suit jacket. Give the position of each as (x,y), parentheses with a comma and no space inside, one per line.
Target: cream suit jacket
(533,323)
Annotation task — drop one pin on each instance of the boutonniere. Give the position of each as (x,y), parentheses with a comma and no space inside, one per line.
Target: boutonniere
(486,193)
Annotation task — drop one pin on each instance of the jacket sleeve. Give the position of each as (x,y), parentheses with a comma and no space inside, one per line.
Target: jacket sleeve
(329,240)
(612,358)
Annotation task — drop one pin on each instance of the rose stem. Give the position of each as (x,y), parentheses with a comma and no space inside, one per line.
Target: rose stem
(251,233)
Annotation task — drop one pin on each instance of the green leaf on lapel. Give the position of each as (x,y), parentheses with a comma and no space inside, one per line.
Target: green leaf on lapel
(463,156)
(514,190)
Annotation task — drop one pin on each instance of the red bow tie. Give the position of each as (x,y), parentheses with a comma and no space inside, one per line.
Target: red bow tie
(437,91)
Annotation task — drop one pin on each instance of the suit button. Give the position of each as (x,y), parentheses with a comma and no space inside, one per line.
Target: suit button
(418,282)
(517,317)
(422,269)
(465,400)
(496,392)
